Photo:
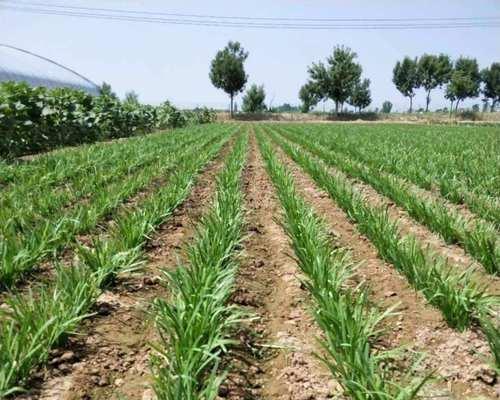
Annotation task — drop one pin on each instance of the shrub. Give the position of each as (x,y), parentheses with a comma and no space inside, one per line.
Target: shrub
(34,119)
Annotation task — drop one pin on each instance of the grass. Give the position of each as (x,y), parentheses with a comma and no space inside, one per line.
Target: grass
(349,323)
(34,323)
(457,295)
(25,245)
(479,239)
(195,324)
(460,163)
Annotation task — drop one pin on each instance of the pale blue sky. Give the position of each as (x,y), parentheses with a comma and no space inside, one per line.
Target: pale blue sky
(171,62)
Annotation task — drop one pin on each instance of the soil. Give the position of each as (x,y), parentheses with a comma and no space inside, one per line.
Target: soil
(110,356)
(275,356)
(458,359)
(278,345)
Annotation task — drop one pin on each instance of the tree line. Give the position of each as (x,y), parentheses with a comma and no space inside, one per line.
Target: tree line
(461,79)
(340,80)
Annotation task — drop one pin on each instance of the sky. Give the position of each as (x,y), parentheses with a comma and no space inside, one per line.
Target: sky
(161,62)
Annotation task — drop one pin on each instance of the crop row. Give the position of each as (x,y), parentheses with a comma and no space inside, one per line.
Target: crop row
(349,323)
(194,325)
(25,203)
(33,323)
(460,299)
(479,238)
(462,162)
(21,249)
(58,166)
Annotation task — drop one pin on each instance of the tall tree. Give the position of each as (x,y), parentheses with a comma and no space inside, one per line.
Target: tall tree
(465,80)
(227,71)
(433,71)
(491,80)
(405,77)
(361,96)
(309,97)
(254,98)
(336,79)
(132,98)
(450,95)
(106,90)
(386,107)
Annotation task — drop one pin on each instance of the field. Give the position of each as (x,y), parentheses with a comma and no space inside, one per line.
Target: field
(254,261)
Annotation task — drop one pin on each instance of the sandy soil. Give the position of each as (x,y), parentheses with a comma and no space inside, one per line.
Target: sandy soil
(457,358)
(274,358)
(278,345)
(110,355)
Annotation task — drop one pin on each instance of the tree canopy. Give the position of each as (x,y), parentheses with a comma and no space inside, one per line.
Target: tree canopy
(132,98)
(465,80)
(386,107)
(106,90)
(309,96)
(433,71)
(254,98)
(361,96)
(491,79)
(405,77)
(337,79)
(227,71)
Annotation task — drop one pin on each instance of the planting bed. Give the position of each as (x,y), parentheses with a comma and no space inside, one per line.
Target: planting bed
(255,261)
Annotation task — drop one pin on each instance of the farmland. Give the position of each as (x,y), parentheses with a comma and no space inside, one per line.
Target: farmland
(254,260)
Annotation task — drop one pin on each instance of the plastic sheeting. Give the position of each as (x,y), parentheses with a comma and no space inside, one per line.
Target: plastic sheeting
(19,65)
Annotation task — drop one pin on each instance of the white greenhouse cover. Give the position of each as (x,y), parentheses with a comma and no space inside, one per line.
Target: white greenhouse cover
(18,65)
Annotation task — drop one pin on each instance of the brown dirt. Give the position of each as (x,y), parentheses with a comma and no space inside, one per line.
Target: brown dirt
(455,254)
(282,365)
(457,358)
(110,356)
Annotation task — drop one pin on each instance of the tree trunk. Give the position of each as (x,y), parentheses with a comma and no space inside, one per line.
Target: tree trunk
(451,107)
(493,104)
(411,104)
(456,106)
(336,107)
(232,95)
(428,100)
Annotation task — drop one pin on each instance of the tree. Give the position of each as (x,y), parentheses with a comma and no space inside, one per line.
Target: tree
(465,80)
(309,97)
(486,105)
(361,96)
(491,80)
(337,79)
(132,98)
(405,77)
(253,101)
(386,107)
(449,95)
(433,71)
(227,70)
(106,90)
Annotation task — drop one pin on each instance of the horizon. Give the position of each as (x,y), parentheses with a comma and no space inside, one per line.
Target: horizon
(125,54)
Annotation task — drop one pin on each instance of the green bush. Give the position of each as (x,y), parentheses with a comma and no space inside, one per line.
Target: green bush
(34,119)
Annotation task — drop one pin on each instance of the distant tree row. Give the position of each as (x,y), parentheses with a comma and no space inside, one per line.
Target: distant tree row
(462,79)
(340,79)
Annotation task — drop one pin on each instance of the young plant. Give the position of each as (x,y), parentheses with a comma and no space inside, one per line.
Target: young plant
(349,323)
(195,324)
